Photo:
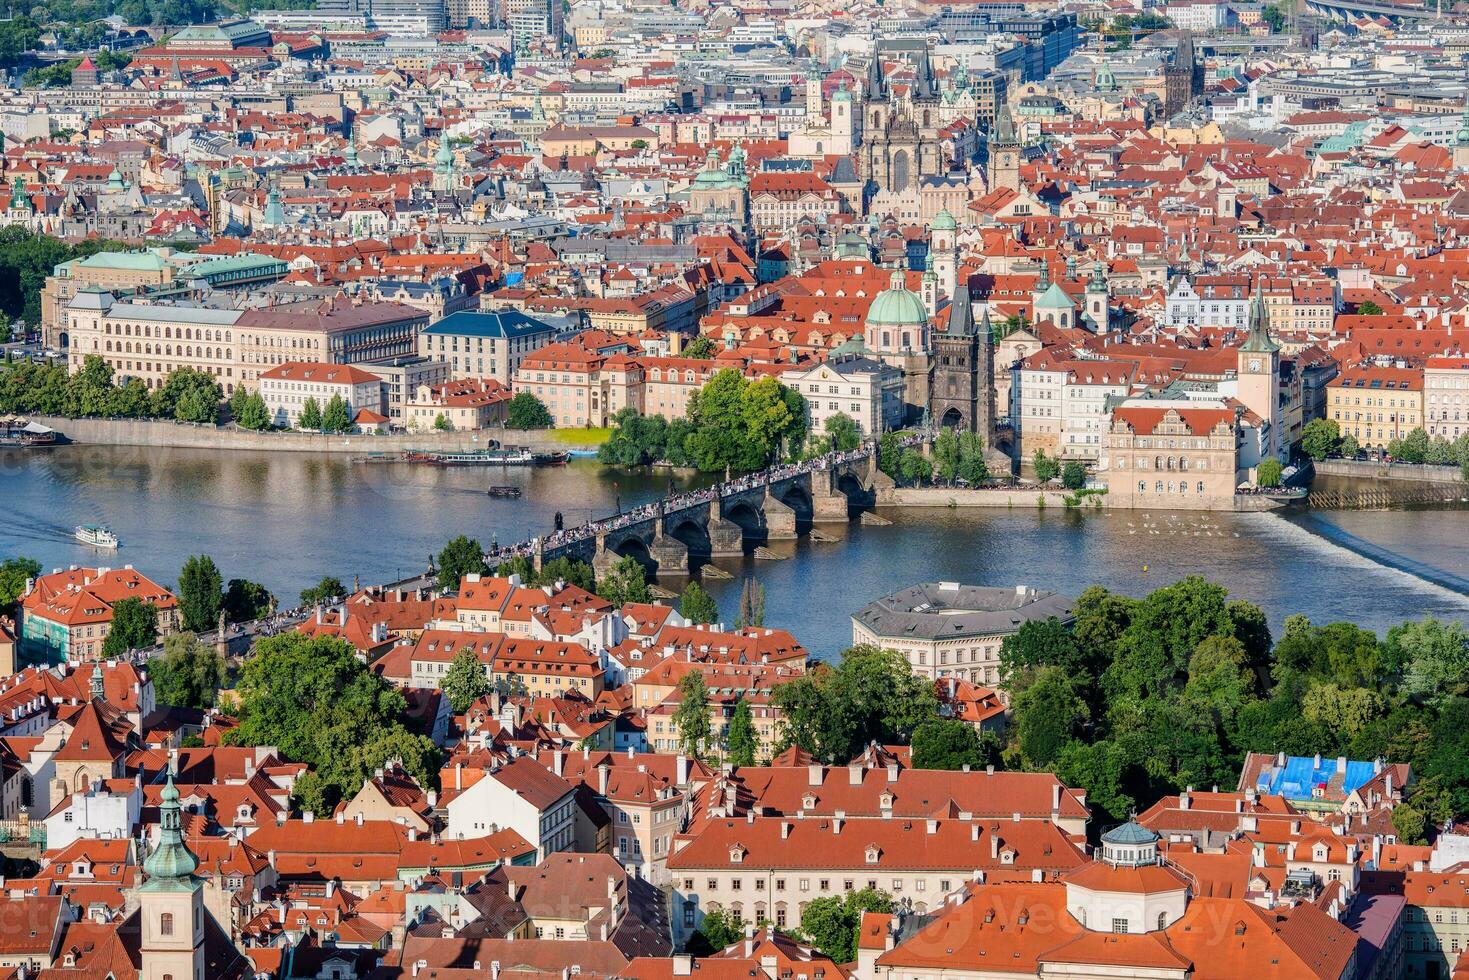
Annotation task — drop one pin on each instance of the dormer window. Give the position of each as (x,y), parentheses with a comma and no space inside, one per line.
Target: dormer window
(873,854)
(885,801)
(808,802)
(736,854)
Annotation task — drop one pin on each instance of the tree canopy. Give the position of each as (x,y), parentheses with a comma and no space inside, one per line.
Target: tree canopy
(318,704)
(869,695)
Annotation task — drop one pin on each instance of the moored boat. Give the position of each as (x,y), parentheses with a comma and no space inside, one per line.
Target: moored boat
(510,456)
(552,459)
(16,430)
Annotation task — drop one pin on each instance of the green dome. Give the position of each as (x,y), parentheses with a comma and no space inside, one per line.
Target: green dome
(713,176)
(1054,298)
(897,306)
(841,95)
(944,221)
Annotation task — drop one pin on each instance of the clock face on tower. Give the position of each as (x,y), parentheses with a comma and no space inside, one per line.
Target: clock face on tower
(1254,364)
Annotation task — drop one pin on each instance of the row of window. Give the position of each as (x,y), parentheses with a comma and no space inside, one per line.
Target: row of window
(1142,487)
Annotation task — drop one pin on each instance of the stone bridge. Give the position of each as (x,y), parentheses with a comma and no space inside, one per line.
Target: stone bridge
(737,521)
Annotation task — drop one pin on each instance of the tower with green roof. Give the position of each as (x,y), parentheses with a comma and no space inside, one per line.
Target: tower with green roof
(1461,140)
(1258,375)
(171,900)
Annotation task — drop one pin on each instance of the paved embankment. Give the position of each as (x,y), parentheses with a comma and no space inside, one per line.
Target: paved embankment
(1362,469)
(182,435)
(1035,498)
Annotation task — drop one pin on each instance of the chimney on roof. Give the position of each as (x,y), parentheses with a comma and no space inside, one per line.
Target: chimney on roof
(994,846)
(1387,785)
(854,775)
(1341,764)
(683,965)
(837,821)
(603,771)
(1183,800)
(1056,797)
(814,775)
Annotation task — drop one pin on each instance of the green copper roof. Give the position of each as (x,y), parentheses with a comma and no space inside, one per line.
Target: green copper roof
(1130,833)
(1054,298)
(171,865)
(944,221)
(1258,341)
(897,306)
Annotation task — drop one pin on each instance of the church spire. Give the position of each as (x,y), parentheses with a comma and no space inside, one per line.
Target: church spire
(171,865)
(1258,340)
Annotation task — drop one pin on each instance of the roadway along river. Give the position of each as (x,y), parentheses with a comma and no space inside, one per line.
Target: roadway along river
(285,519)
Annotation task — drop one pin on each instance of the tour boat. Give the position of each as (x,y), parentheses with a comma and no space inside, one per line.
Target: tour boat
(552,459)
(504,491)
(96,535)
(511,456)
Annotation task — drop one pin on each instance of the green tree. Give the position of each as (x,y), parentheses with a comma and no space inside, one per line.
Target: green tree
(465,682)
(322,592)
(843,432)
(188,675)
(134,627)
(460,557)
(946,455)
(701,348)
(625,582)
(951,744)
(14,572)
(723,436)
(1341,711)
(1366,307)
(246,601)
(442,423)
(1048,714)
(1350,448)
(189,395)
(1434,657)
(1412,448)
(717,931)
(1046,468)
(888,455)
(312,698)
(752,605)
(915,467)
(334,417)
(831,923)
(1268,473)
(1042,643)
(740,737)
(200,594)
(1073,476)
(1320,438)
(568,571)
(310,418)
(870,695)
(691,717)
(697,605)
(526,411)
(1274,18)
(252,413)
(972,468)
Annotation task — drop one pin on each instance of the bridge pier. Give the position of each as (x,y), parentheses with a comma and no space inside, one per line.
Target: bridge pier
(671,554)
(780,519)
(726,538)
(828,504)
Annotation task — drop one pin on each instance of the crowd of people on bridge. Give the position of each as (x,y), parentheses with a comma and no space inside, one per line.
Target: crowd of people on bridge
(684,500)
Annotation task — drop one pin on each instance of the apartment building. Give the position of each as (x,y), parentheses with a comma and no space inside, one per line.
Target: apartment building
(67,615)
(287,388)
(769,868)
(864,389)
(1376,405)
(485,345)
(1446,396)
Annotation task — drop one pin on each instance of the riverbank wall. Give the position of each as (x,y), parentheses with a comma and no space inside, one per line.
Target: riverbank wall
(1036,499)
(183,435)
(1363,469)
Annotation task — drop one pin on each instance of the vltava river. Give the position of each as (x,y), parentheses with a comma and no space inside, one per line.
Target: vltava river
(286,519)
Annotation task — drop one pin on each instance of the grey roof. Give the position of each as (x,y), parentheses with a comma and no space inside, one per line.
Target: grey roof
(948,610)
(1130,833)
(175,314)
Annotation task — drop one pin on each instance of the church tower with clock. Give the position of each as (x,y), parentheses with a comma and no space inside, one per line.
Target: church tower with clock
(1258,371)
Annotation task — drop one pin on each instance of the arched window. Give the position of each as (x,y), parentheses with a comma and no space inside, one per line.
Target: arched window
(1162,920)
(1142,487)
(1157,462)
(165,924)
(1201,486)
